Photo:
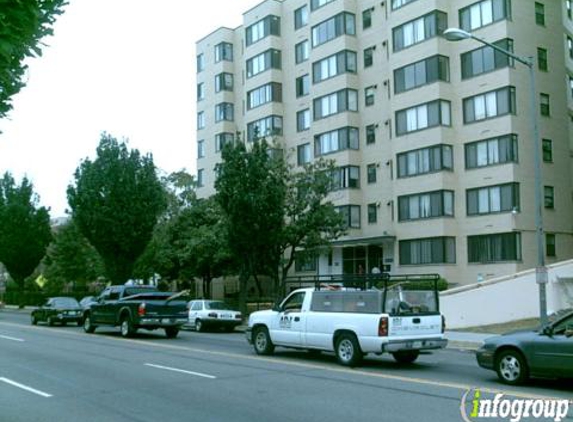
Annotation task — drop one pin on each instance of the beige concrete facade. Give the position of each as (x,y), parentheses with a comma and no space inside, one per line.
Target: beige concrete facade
(380,242)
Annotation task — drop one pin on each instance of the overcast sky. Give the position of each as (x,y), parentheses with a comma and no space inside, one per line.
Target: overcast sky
(126,67)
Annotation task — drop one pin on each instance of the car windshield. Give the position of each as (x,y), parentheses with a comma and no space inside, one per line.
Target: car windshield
(65,302)
(216,305)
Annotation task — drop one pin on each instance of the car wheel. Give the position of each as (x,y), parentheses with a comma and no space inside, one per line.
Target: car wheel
(406,356)
(34,320)
(262,341)
(171,332)
(348,350)
(51,321)
(127,329)
(511,367)
(199,325)
(88,326)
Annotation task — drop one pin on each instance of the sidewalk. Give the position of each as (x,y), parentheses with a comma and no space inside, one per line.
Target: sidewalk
(465,341)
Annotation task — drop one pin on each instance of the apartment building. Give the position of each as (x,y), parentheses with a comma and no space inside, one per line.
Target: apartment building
(432,139)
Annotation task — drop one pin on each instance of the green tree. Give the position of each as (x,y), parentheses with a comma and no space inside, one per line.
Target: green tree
(23,23)
(71,258)
(116,202)
(251,192)
(24,228)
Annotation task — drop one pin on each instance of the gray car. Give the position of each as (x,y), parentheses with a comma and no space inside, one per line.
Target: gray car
(547,352)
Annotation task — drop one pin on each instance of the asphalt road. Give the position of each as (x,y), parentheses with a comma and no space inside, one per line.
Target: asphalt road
(61,374)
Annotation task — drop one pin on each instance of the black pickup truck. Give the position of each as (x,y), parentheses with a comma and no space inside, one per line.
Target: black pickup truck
(134,307)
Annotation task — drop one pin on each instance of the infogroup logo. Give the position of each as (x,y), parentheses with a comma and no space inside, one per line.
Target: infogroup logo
(474,408)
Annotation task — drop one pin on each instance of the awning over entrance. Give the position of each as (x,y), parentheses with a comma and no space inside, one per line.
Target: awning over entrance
(364,241)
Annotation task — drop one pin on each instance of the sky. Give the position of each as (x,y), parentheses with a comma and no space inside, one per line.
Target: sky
(125,67)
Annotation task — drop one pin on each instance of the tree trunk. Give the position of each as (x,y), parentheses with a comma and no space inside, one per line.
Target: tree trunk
(243,278)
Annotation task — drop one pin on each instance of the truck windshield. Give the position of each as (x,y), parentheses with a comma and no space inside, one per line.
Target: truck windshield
(411,302)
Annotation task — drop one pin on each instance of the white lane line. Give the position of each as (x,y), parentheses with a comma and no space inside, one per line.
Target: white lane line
(25,387)
(11,338)
(167,368)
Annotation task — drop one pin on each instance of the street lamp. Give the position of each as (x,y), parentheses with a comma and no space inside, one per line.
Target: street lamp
(456,34)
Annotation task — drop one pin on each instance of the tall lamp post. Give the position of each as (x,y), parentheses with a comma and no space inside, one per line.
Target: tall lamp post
(456,34)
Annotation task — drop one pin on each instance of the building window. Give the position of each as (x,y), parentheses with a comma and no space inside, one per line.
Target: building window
(492,151)
(200,62)
(432,69)
(267,126)
(492,199)
(484,13)
(269,25)
(550,245)
(571,86)
(270,59)
(341,24)
(337,102)
(544,105)
(302,85)
(337,64)
(497,247)
(425,160)
(305,262)
(542,59)
(201,120)
(224,82)
(426,205)
(224,51)
(200,91)
(369,95)
(423,116)
(370,134)
(200,148)
(345,177)
(367,18)
(303,120)
(568,7)
(224,111)
(301,17)
(369,56)
(317,4)
(396,4)
(271,92)
(549,197)
(301,51)
(372,213)
(547,149)
(350,215)
(371,173)
(303,154)
(486,59)
(433,250)
(222,139)
(570,46)
(200,178)
(419,30)
(540,14)
(489,105)
(336,140)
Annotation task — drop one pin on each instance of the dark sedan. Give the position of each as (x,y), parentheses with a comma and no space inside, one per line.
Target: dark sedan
(58,310)
(547,352)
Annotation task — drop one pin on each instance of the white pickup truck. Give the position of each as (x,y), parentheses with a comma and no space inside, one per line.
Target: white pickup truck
(352,323)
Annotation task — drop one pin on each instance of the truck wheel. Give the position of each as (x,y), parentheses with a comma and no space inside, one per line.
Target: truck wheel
(347,350)
(406,356)
(127,329)
(262,341)
(171,332)
(199,325)
(88,326)
(511,367)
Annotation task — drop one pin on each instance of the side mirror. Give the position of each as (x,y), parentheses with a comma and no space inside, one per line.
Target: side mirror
(569,330)
(276,308)
(547,331)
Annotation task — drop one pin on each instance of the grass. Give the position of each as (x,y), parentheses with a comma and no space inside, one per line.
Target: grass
(523,324)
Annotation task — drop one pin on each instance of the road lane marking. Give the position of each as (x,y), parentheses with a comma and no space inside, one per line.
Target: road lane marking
(183,371)
(11,338)
(412,380)
(25,387)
